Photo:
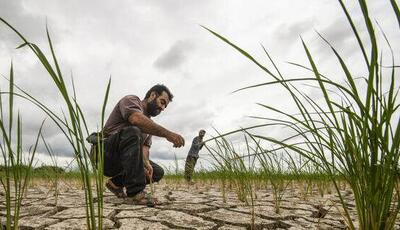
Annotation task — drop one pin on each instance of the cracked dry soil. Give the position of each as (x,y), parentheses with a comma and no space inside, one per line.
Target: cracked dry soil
(185,207)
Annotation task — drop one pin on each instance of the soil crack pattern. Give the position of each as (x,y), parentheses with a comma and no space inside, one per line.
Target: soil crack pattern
(200,207)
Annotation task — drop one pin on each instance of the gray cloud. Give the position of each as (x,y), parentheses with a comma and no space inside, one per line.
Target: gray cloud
(289,33)
(338,32)
(340,36)
(175,56)
(59,145)
(142,43)
(18,16)
(188,126)
(53,137)
(196,117)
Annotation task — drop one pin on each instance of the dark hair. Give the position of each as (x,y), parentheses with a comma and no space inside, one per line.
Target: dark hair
(159,88)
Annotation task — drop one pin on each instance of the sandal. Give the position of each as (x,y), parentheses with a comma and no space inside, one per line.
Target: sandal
(143,198)
(119,192)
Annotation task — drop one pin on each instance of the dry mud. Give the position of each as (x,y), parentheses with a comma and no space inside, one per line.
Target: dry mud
(185,207)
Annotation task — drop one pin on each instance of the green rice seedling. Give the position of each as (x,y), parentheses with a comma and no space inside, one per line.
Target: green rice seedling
(176,161)
(232,166)
(54,174)
(74,127)
(307,180)
(322,182)
(16,173)
(278,168)
(272,170)
(278,181)
(355,131)
(302,172)
(223,187)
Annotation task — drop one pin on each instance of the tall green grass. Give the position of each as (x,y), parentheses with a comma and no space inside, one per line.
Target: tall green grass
(73,125)
(17,170)
(355,131)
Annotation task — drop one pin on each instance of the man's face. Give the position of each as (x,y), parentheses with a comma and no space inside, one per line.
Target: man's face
(202,133)
(157,103)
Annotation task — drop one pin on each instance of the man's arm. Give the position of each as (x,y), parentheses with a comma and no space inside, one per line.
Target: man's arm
(150,127)
(146,161)
(198,143)
(146,153)
(201,144)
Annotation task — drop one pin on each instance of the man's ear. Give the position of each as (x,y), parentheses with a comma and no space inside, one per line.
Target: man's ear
(152,95)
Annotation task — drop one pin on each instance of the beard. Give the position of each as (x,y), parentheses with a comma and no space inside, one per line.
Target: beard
(152,108)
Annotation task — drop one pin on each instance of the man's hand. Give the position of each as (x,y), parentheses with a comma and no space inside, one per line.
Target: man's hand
(148,170)
(148,126)
(175,139)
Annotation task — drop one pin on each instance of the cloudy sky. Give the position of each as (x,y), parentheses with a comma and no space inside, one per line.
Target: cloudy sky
(144,42)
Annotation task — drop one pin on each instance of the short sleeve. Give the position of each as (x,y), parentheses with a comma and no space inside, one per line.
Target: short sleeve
(128,105)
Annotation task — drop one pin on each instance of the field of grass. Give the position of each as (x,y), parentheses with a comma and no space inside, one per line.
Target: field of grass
(346,145)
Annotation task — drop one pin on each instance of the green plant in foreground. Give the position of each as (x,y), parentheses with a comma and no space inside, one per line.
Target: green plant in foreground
(74,127)
(354,132)
(16,175)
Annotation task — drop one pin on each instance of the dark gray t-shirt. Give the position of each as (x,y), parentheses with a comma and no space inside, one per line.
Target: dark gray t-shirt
(118,118)
(195,148)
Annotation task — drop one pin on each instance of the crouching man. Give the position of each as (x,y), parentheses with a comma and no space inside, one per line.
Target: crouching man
(128,133)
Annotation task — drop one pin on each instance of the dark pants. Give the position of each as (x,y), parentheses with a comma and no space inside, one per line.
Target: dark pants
(189,167)
(123,161)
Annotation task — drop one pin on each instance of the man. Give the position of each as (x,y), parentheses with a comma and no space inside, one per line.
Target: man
(128,133)
(193,155)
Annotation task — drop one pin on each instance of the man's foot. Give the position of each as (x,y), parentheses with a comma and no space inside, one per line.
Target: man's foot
(118,191)
(143,198)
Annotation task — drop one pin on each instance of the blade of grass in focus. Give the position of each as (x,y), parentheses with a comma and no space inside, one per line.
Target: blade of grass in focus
(17,172)
(354,133)
(74,127)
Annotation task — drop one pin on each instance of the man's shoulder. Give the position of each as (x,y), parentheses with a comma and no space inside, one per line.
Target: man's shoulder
(130,103)
(196,140)
(130,97)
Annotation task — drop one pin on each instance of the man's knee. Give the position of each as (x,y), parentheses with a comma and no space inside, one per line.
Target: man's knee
(132,130)
(130,134)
